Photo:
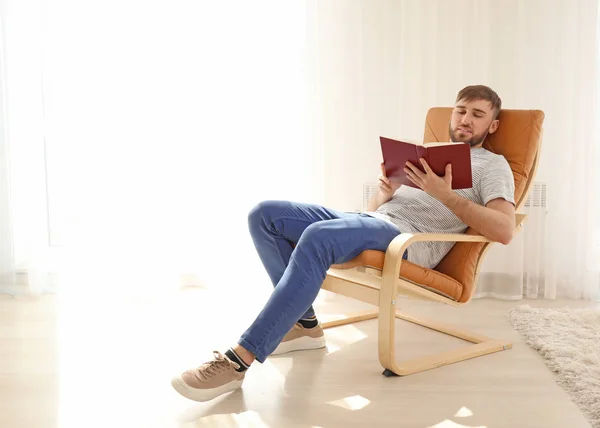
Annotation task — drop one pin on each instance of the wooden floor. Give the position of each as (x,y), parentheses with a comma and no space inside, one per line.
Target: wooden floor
(77,361)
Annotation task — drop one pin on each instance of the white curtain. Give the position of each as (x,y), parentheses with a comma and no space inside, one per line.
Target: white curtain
(385,63)
(165,122)
(25,249)
(7,260)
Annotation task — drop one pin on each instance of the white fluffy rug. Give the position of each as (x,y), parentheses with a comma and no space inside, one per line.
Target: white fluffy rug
(569,340)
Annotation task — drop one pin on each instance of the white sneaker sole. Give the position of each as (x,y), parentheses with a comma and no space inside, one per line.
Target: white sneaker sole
(203,394)
(303,343)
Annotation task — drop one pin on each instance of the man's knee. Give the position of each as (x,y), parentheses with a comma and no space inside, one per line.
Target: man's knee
(263,212)
(317,243)
(316,234)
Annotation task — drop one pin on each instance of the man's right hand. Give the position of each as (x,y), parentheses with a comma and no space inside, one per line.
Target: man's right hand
(386,187)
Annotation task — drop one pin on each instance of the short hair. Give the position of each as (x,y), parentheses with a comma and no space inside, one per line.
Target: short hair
(481,92)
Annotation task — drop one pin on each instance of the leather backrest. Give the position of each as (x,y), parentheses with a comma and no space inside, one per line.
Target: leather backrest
(518,139)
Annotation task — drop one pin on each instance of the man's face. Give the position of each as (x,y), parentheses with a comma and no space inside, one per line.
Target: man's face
(471,122)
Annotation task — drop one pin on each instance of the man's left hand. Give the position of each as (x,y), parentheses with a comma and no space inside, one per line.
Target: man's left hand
(429,181)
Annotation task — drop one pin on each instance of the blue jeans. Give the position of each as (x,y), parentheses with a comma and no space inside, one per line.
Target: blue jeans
(297,244)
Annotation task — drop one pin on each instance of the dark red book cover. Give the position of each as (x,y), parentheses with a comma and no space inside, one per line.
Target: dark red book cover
(437,155)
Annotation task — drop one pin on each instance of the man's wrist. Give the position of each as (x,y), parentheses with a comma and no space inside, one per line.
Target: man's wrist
(385,196)
(447,198)
(378,200)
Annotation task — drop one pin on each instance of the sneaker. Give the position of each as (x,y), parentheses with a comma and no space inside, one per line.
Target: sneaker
(210,380)
(300,338)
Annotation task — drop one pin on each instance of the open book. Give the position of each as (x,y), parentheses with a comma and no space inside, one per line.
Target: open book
(437,155)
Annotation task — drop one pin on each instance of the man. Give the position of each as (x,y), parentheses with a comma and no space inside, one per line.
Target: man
(297,243)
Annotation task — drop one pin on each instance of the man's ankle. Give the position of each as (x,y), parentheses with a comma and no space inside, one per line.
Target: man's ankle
(309,322)
(234,357)
(247,356)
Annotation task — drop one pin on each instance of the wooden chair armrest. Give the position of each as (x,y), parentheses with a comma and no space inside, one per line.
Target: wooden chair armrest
(401,242)
(394,252)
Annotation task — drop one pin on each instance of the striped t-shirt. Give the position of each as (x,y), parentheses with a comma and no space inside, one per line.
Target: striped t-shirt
(414,211)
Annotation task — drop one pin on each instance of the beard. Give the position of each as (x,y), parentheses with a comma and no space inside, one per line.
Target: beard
(475,140)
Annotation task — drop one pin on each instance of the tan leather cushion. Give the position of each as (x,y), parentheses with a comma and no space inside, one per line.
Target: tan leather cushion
(518,139)
(436,281)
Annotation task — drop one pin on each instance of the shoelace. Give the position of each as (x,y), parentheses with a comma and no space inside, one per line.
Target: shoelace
(216,366)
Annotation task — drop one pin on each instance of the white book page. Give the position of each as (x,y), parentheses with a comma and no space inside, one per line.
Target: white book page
(435,144)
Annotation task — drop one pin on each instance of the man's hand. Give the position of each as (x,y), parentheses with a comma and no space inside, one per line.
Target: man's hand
(386,187)
(430,182)
(386,191)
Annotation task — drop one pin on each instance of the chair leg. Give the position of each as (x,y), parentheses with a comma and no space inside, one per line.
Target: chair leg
(388,313)
(389,373)
(482,345)
(363,316)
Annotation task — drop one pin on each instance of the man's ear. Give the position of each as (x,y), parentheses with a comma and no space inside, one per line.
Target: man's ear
(494,126)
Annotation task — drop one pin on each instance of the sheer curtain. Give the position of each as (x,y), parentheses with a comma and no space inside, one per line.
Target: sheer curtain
(7,261)
(141,133)
(536,54)
(25,250)
(168,121)
(387,62)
